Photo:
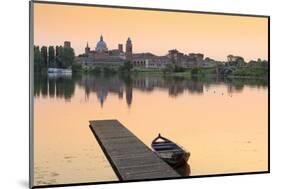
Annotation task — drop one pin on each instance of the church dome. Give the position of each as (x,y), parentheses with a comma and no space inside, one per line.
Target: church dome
(101,45)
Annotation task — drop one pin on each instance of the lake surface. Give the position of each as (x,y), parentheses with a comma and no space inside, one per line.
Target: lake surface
(223,123)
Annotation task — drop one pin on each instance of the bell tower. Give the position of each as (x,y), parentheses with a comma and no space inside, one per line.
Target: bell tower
(129,50)
(87,49)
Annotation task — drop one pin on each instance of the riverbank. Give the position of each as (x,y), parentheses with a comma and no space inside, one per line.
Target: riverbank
(259,73)
(243,73)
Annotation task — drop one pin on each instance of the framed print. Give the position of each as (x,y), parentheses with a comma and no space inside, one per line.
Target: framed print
(125,94)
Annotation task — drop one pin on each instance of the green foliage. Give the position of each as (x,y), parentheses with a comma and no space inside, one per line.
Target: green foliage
(196,71)
(76,67)
(238,62)
(67,57)
(96,70)
(258,64)
(108,70)
(251,72)
(44,56)
(173,68)
(178,69)
(58,57)
(51,56)
(64,57)
(127,67)
(168,68)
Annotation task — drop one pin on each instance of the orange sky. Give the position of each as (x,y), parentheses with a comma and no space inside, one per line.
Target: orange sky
(152,31)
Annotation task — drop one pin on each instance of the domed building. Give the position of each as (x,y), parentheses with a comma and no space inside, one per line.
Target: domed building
(101,55)
(101,45)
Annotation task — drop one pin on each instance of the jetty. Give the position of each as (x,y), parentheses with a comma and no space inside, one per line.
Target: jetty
(129,157)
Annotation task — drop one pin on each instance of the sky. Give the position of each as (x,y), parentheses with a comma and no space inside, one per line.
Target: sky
(216,36)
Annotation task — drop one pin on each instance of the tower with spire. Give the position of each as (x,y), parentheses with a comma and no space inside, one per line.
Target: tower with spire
(87,49)
(129,50)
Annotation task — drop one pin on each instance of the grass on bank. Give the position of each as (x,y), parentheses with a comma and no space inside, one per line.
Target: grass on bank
(170,70)
(251,72)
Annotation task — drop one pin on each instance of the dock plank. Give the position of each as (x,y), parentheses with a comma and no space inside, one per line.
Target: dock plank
(130,158)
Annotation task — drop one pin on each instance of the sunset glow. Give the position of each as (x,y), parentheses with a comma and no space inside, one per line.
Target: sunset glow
(152,31)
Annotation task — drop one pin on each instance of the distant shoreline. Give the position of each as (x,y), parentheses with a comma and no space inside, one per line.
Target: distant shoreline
(186,75)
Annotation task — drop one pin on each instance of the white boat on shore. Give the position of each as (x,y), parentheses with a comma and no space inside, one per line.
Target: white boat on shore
(59,71)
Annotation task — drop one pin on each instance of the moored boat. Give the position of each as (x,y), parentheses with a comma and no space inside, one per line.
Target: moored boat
(169,151)
(59,71)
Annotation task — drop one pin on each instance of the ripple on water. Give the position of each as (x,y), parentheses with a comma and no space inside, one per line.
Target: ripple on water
(54,174)
(69,157)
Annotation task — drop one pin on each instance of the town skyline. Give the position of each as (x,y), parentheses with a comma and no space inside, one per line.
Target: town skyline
(152,31)
(92,46)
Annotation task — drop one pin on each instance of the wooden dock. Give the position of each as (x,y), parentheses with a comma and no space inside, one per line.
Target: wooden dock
(130,158)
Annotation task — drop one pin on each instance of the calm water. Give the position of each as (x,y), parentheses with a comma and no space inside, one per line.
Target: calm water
(222,123)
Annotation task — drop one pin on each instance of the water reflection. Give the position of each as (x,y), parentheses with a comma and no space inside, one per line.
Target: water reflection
(223,123)
(54,86)
(101,85)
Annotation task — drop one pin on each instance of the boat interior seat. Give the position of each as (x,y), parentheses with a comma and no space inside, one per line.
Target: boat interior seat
(164,146)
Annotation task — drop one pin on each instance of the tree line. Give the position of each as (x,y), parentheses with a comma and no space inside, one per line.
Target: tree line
(53,57)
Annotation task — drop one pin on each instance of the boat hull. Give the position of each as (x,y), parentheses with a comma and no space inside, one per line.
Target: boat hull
(169,151)
(176,162)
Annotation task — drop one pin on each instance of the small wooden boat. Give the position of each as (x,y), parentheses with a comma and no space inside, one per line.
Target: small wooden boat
(169,151)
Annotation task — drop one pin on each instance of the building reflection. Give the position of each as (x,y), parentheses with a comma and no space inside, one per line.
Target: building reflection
(103,85)
(174,85)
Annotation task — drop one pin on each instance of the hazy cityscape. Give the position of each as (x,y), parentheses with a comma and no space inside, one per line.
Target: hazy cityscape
(102,59)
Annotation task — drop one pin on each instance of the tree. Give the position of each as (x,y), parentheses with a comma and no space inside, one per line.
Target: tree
(44,56)
(51,56)
(195,71)
(57,51)
(240,61)
(179,69)
(76,67)
(127,66)
(64,57)
(58,60)
(59,57)
(67,57)
(168,68)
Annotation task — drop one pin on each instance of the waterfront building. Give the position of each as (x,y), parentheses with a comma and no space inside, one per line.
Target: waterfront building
(149,60)
(176,57)
(101,56)
(101,46)
(120,47)
(193,60)
(185,60)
